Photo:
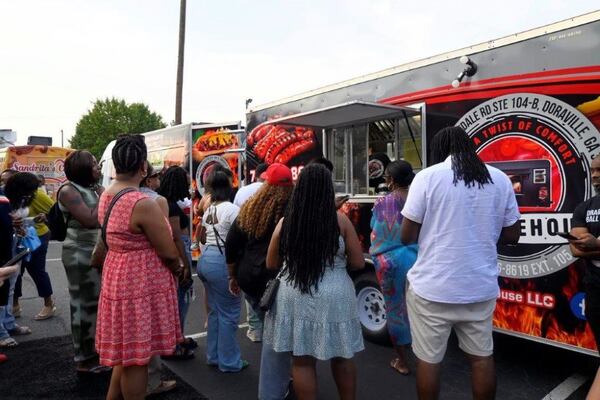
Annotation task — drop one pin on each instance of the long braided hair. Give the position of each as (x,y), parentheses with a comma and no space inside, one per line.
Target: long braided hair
(466,164)
(310,232)
(174,185)
(129,154)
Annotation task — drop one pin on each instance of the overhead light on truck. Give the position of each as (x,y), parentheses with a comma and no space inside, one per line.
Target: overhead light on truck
(469,70)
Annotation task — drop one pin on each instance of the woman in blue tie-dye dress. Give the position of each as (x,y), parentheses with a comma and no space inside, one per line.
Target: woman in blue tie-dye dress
(392,258)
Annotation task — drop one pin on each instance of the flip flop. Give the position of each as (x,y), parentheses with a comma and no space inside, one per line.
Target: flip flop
(395,365)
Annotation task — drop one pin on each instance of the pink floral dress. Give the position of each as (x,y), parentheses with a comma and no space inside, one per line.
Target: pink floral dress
(137,310)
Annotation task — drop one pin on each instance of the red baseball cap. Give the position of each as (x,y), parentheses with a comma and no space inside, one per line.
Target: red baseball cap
(278,175)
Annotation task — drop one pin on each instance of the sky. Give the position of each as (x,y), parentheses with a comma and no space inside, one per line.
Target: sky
(57,57)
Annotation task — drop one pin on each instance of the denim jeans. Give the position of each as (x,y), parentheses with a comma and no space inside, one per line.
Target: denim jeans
(255,318)
(184,294)
(7,320)
(222,348)
(36,267)
(275,373)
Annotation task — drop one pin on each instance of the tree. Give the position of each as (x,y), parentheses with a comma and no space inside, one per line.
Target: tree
(108,119)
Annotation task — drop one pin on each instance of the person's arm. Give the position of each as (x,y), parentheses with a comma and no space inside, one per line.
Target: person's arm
(510,234)
(354,254)
(164,205)
(587,244)
(7,271)
(176,229)
(234,248)
(273,258)
(409,232)
(414,210)
(157,231)
(71,199)
(511,226)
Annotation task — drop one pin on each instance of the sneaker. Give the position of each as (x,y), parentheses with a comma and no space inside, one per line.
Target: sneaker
(254,336)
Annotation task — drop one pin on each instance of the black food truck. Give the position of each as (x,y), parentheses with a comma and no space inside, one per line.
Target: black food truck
(531,104)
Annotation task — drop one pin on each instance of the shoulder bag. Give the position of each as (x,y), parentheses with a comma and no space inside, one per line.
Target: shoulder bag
(270,294)
(101,248)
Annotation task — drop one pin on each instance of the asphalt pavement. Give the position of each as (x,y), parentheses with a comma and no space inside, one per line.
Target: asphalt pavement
(525,369)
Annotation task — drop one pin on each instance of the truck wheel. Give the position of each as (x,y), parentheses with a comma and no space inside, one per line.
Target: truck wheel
(371,308)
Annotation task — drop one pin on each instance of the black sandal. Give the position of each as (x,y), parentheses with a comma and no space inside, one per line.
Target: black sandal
(180,353)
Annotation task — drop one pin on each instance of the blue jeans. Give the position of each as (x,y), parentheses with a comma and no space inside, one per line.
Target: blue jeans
(222,348)
(255,316)
(7,320)
(275,372)
(184,294)
(36,267)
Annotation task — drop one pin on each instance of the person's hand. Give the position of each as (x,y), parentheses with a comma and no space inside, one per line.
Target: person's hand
(234,288)
(18,224)
(586,242)
(40,218)
(339,201)
(99,190)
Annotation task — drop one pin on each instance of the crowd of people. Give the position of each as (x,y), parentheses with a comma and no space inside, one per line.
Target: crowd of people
(284,250)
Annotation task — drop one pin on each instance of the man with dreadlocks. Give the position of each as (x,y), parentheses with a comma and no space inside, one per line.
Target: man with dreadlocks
(458,210)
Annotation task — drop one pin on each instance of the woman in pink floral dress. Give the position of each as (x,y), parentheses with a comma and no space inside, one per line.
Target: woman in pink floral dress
(137,312)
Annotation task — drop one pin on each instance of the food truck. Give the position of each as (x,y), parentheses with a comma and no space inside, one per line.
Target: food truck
(195,147)
(531,104)
(39,160)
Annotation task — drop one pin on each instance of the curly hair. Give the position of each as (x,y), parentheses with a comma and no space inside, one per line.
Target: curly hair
(262,212)
(310,233)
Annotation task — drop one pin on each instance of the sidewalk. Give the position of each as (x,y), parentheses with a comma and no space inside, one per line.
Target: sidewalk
(44,368)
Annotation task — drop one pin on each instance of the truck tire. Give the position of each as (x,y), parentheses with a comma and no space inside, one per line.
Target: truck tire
(371,308)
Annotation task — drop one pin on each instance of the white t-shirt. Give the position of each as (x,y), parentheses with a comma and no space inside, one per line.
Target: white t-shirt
(245,193)
(460,227)
(225,213)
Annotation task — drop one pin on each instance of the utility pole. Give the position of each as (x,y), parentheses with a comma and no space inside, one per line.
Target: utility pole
(179,88)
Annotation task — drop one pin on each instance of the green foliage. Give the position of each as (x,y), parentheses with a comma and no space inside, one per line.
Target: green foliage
(108,119)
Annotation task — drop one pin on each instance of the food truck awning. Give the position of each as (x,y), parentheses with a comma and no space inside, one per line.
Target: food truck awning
(344,114)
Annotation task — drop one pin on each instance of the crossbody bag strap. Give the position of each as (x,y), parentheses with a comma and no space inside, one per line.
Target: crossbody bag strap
(108,211)
(217,236)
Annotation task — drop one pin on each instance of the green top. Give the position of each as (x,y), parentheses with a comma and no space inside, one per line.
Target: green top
(78,237)
(40,204)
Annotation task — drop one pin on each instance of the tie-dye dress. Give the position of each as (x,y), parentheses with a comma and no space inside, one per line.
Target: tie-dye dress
(392,261)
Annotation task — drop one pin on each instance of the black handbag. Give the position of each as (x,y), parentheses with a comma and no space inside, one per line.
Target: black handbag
(268,297)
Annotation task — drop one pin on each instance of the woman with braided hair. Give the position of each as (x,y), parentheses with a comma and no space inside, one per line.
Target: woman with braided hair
(248,239)
(314,316)
(137,310)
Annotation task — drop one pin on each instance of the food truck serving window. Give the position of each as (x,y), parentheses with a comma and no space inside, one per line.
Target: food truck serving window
(361,138)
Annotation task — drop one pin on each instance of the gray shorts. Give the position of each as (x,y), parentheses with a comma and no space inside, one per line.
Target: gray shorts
(431,323)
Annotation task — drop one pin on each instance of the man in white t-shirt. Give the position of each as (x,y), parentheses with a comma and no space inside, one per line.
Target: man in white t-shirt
(458,210)
(245,192)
